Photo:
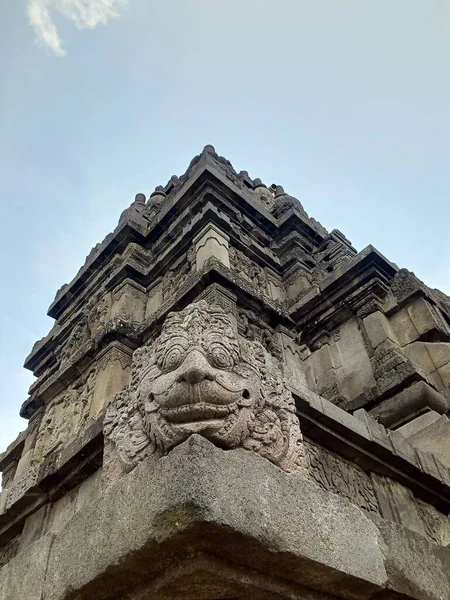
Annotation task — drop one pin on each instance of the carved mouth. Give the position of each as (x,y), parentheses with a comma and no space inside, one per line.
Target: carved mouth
(201,411)
(198,398)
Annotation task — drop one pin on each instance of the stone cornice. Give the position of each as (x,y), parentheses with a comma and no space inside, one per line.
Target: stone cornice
(362,279)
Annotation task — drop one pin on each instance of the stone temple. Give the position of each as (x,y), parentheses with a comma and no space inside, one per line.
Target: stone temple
(233,403)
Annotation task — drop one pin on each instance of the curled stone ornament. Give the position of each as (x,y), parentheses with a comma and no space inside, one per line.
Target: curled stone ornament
(200,377)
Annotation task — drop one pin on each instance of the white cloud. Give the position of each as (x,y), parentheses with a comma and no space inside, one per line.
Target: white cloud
(46,32)
(85,14)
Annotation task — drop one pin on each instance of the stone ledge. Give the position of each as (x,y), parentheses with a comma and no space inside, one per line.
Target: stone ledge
(197,499)
(203,506)
(60,472)
(369,444)
(409,403)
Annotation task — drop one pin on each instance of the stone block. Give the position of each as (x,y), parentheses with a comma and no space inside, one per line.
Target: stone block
(154,300)
(196,499)
(418,353)
(397,504)
(419,423)
(211,242)
(408,404)
(416,567)
(112,376)
(34,527)
(444,374)
(61,512)
(3,495)
(89,490)
(23,465)
(348,421)
(422,316)
(336,357)
(428,463)
(275,291)
(351,343)
(434,439)
(439,353)
(435,380)
(22,578)
(321,361)
(32,432)
(309,374)
(377,432)
(129,302)
(402,447)
(357,376)
(378,329)
(403,327)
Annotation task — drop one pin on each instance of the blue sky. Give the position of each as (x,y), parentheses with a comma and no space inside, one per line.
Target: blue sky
(344,102)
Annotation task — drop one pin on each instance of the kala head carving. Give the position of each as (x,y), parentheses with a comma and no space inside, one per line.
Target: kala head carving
(200,377)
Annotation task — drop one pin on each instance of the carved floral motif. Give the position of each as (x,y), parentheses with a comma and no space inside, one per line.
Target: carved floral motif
(199,377)
(248,270)
(338,476)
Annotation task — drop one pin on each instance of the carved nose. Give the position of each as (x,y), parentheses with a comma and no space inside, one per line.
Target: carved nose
(196,368)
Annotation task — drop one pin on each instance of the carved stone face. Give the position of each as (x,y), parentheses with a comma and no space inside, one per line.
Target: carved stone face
(198,382)
(199,377)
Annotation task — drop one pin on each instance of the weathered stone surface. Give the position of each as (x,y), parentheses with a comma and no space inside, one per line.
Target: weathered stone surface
(24,576)
(435,438)
(416,568)
(410,402)
(197,488)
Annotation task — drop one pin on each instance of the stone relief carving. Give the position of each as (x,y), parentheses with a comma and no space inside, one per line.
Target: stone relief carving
(437,525)
(99,309)
(338,476)
(391,368)
(175,278)
(240,263)
(253,328)
(64,418)
(19,488)
(78,336)
(199,377)
(248,270)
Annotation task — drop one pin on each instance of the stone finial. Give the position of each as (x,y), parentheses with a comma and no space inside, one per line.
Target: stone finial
(279,191)
(257,183)
(139,198)
(158,195)
(209,149)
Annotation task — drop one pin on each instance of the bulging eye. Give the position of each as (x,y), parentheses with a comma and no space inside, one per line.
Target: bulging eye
(220,357)
(173,358)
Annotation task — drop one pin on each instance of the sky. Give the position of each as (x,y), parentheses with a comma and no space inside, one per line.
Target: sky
(346,103)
